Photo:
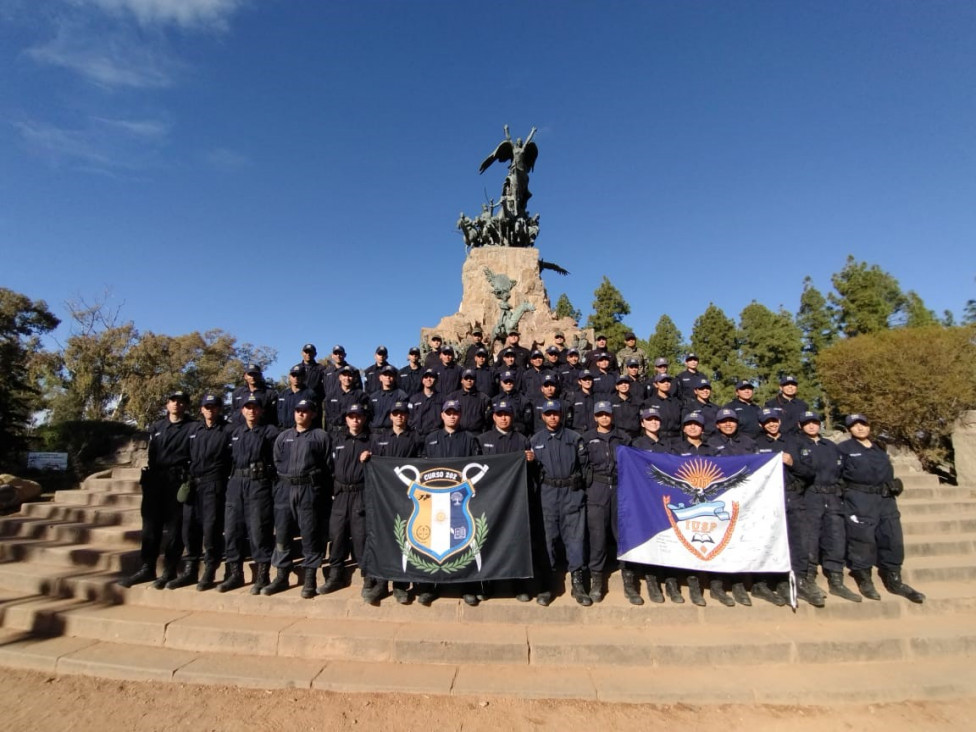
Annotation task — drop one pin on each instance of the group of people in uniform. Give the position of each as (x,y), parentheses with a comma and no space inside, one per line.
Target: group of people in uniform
(290,466)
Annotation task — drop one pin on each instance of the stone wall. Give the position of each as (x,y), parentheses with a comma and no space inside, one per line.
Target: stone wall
(964,447)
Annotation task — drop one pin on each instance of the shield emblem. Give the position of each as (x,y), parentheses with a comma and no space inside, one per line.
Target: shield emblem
(704,529)
(441,524)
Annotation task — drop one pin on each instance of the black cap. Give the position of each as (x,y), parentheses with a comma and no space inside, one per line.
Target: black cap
(414,351)
(339,349)
(388,369)
(211,400)
(628,336)
(381,350)
(297,370)
(178,396)
(252,368)
(309,348)
(400,407)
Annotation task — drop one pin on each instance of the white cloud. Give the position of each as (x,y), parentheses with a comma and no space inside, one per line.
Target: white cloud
(185,13)
(227,160)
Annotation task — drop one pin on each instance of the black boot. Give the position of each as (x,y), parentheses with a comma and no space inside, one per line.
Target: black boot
(596,586)
(809,592)
(169,574)
(865,585)
(674,592)
(426,593)
(761,591)
(654,593)
(233,577)
(579,590)
(694,591)
(401,593)
(523,588)
(631,586)
(891,579)
(145,573)
(209,574)
(280,583)
(835,586)
(262,578)
(740,595)
(335,581)
(187,576)
(376,591)
(717,592)
(546,590)
(308,588)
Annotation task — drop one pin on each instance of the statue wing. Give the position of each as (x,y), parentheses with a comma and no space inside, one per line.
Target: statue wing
(720,486)
(672,482)
(502,153)
(543,264)
(529,154)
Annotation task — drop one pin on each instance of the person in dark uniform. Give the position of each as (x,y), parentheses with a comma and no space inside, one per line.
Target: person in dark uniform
(559,343)
(314,371)
(581,403)
(448,372)
(640,388)
(433,358)
(604,378)
(553,362)
(203,511)
(520,351)
(249,510)
(506,357)
(570,369)
(874,534)
(408,378)
(522,408)
(484,376)
(339,399)
(692,442)
(254,384)
(650,441)
(297,391)
(820,463)
(548,392)
(686,380)
(746,409)
(477,344)
(425,405)
(668,406)
(626,407)
(400,442)
(382,400)
(601,502)
(374,371)
(563,462)
(661,366)
(474,405)
(789,406)
(532,376)
(448,442)
(703,404)
(336,364)
(162,514)
(302,493)
(347,523)
(593,356)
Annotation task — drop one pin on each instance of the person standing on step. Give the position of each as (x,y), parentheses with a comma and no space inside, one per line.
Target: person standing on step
(249,511)
(162,513)
(302,494)
(874,535)
(203,511)
(650,440)
(789,405)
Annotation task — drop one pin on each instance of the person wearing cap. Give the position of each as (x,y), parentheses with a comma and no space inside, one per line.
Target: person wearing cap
(685,381)
(601,502)
(347,522)
(484,375)
(203,511)
(640,389)
(559,343)
(692,443)
(553,360)
(448,442)
(650,441)
(668,405)
(548,392)
(504,439)
(337,363)
(162,514)
(789,405)
(408,377)
(295,392)
(426,405)
(302,494)
(314,371)
(661,366)
(563,465)
(522,408)
(448,372)
(570,368)
(475,406)
(477,344)
(626,407)
(341,397)
(631,351)
(703,404)
(433,357)
(254,384)
(728,441)
(520,351)
(383,399)
(874,533)
(826,538)
(373,372)
(249,509)
(506,363)
(580,416)
(532,376)
(599,346)
(604,378)
(746,409)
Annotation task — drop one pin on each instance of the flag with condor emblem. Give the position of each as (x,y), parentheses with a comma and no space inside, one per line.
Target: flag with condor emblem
(447,520)
(718,514)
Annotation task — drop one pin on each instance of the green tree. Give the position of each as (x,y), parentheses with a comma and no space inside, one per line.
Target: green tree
(609,309)
(867,299)
(969,312)
(714,338)
(817,325)
(565,309)
(916,314)
(22,322)
(879,375)
(666,341)
(771,344)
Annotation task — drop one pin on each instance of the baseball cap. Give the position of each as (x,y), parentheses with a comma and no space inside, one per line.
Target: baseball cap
(724,414)
(767,414)
(603,408)
(650,412)
(695,417)
(451,404)
(853,419)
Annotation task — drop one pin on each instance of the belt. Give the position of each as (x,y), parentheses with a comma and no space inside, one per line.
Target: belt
(833,489)
(605,478)
(560,482)
(314,478)
(866,487)
(348,487)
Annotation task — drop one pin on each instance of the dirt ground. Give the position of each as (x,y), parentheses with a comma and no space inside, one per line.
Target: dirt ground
(36,702)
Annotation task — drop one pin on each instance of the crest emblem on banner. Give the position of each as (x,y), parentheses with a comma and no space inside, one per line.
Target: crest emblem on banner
(703,523)
(441,534)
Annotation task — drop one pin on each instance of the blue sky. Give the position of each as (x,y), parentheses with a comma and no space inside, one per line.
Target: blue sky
(292,170)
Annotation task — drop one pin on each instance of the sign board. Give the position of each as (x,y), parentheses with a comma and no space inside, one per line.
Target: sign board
(47,461)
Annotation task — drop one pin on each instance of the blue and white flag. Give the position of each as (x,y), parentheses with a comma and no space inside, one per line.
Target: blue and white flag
(717,514)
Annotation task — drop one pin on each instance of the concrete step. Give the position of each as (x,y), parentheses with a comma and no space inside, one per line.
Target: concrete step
(121,499)
(935,523)
(68,532)
(923,570)
(913,479)
(911,508)
(110,485)
(937,491)
(117,473)
(872,682)
(102,515)
(941,544)
(119,558)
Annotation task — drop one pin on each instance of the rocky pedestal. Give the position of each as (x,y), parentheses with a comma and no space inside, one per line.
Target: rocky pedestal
(488,301)
(964,447)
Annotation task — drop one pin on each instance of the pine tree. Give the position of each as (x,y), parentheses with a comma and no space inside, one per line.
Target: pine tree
(816,323)
(771,345)
(609,308)
(714,338)
(665,341)
(916,314)
(565,309)
(867,298)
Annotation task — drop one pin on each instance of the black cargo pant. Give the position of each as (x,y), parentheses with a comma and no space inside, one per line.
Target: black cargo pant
(301,504)
(347,524)
(161,516)
(203,520)
(874,536)
(826,535)
(249,511)
(601,522)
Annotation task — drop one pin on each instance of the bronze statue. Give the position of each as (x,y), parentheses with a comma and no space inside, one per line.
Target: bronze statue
(521,157)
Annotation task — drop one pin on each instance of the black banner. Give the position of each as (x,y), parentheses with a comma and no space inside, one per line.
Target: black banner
(447,520)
